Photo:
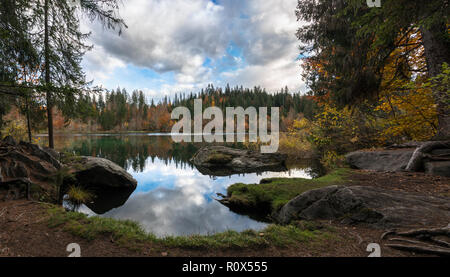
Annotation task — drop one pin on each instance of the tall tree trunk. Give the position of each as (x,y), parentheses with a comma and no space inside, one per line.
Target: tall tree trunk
(437,52)
(47,78)
(27,107)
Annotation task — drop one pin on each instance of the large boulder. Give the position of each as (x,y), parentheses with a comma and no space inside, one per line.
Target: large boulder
(433,157)
(363,204)
(98,172)
(19,161)
(383,160)
(224,161)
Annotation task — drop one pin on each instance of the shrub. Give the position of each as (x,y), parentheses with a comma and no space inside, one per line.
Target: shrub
(16,128)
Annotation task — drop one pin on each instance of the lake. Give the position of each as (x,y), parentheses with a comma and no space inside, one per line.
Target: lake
(172,197)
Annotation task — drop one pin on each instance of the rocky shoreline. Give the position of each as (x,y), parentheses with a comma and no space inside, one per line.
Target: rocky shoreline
(33,172)
(386,196)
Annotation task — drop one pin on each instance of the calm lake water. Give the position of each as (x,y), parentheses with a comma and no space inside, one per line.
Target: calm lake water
(172,196)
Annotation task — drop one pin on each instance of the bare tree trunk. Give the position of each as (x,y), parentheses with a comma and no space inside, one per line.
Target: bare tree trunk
(47,78)
(27,107)
(437,52)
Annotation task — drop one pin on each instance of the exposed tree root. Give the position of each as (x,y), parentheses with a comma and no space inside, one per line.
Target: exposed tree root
(415,162)
(426,232)
(422,249)
(423,240)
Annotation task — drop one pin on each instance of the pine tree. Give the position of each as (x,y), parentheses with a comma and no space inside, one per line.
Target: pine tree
(63,47)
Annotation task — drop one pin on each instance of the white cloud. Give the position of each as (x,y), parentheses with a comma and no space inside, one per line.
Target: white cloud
(101,64)
(272,76)
(179,35)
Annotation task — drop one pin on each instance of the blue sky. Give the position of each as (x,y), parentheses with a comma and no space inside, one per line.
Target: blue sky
(182,45)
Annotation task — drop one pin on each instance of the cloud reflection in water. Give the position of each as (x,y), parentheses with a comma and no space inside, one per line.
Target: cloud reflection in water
(177,200)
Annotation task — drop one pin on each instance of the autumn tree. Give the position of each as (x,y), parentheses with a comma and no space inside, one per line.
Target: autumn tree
(399,17)
(348,46)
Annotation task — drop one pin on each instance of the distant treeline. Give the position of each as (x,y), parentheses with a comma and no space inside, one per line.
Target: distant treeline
(118,110)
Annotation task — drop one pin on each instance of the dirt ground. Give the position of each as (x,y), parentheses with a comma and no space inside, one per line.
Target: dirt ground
(24,230)
(415,182)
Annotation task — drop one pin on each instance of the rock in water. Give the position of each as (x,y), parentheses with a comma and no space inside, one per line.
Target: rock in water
(363,204)
(386,160)
(224,161)
(98,172)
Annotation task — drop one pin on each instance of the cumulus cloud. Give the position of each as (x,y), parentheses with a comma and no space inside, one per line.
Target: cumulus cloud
(100,64)
(181,36)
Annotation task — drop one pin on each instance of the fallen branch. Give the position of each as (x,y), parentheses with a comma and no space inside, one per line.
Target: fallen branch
(422,249)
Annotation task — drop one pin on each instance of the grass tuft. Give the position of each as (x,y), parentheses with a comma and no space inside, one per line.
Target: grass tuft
(79,195)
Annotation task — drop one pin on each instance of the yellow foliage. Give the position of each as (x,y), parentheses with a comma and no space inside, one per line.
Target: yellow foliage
(36,140)
(406,101)
(336,126)
(15,128)
(410,114)
(331,160)
(295,142)
(301,123)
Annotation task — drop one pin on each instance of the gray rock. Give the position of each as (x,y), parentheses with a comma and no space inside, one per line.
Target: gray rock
(385,160)
(441,168)
(41,166)
(293,207)
(363,204)
(99,172)
(44,153)
(9,140)
(26,160)
(432,156)
(223,161)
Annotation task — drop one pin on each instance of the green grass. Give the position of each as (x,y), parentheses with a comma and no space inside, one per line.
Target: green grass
(271,194)
(130,234)
(79,195)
